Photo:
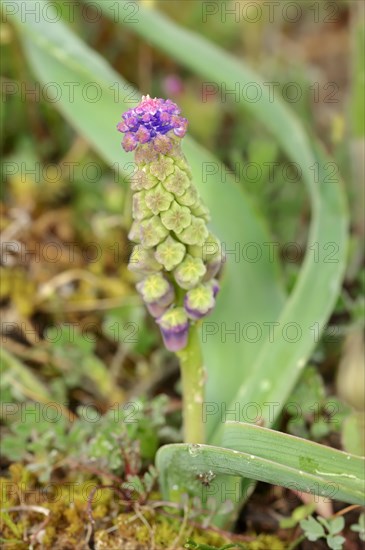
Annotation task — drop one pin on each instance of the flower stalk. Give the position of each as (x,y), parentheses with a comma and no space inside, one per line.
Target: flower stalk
(192,383)
(175,256)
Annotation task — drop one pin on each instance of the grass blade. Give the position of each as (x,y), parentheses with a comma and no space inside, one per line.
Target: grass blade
(22,378)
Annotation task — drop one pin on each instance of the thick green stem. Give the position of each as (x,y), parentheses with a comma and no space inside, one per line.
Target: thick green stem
(192,376)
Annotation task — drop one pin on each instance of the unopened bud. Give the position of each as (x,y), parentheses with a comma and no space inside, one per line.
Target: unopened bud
(176,218)
(199,301)
(170,253)
(174,325)
(190,272)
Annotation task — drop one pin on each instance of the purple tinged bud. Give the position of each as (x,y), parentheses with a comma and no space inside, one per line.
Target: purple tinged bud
(143,134)
(213,268)
(174,326)
(165,117)
(162,144)
(157,292)
(180,131)
(213,283)
(154,288)
(199,301)
(159,307)
(129,142)
(156,310)
(122,127)
(176,121)
(145,154)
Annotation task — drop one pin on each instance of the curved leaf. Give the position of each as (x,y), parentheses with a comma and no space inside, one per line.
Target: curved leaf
(185,467)
(265,373)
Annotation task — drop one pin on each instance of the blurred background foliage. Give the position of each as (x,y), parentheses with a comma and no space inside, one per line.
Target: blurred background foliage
(70,315)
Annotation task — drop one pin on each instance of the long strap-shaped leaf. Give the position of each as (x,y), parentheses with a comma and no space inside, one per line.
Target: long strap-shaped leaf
(264,455)
(297,453)
(268,376)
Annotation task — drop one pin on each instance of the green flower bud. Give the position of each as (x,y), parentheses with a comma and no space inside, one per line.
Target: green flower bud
(143,180)
(157,292)
(210,250)
(153,287)
(178,182)
(152,231)
(157,199)
(170,253)
(176,218)
(181,163)
(201,211)
(176,152)
(190,272)
(140,210)
(189,198)
(142,260)
(162,167)
(196,233)
(135,232)
(199,301)
(145,154)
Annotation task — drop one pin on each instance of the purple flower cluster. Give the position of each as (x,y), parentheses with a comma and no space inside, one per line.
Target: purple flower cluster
(151,118)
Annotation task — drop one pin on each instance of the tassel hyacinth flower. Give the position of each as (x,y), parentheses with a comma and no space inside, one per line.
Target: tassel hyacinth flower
(175,255)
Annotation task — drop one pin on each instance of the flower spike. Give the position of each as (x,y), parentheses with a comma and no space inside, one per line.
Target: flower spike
(175,256)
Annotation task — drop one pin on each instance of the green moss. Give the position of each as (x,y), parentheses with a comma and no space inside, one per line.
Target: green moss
(266,542)
(66,524)
(164,531)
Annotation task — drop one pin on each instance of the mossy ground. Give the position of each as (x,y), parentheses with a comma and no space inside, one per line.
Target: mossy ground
(58,516)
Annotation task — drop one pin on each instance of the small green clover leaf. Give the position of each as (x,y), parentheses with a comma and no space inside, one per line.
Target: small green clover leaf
(360,527)
(335,525)
(335,542)
(315,529)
